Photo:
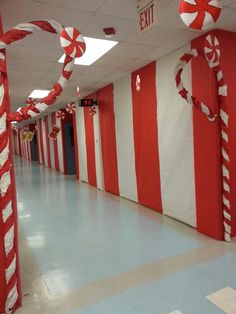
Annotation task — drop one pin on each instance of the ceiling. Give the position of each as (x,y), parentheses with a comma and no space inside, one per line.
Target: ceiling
(32,62)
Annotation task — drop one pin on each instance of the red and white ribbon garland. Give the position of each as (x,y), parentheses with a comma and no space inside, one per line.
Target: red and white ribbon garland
(71,107)
(32,110)
(211,52)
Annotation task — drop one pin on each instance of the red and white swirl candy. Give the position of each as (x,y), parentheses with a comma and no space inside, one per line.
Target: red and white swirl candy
(199,14)
(31,111)
(71,107)
(72,42)
(61,115)
(211,52)
(30,101)
(92,111)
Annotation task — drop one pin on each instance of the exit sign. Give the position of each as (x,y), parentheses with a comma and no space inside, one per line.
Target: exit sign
(147,14)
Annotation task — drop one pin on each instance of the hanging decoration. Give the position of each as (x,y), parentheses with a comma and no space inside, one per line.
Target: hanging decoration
(92,111)
(19,32)
(30,102)
(211,52)
(54,132)
(138,83)
(200,14)
(71,107)
(61,115)
(72,41)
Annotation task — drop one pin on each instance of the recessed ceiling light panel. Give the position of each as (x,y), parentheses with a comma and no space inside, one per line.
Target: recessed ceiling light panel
(95,49)
(39,93)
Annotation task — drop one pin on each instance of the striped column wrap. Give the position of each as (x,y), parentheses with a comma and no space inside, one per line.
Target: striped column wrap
(222,93)
(6,194)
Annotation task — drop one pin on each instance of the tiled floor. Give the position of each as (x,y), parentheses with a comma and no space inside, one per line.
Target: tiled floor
(88,252)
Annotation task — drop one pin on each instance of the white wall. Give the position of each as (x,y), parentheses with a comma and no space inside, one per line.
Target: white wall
(175,137)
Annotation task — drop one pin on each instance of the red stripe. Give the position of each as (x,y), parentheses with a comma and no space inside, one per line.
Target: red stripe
(41,141)
(90,147)
(208,185)
(145,138)
(76,147)
(48,144)
(53,119)
(108,139)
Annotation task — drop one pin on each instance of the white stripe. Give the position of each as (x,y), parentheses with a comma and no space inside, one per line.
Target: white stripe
(7,211)
(224,136)
(208,20)
(11,300)
(45,148)
(224,116)
(227,227)
(215,3)
(5,182)
(38,139)
(9,240)
(51,142)
(80,129)
(226,187)
(227,215)
(226,202)
(205,109)
(219,75)
(176,312)
(2,92)
(125,138)
(175,136)
(41,106)
(57,26)
(3,122)
(4,155)
(27,27)
(11,269)
(225,155)
(98,151)
(225,172)
(223,90)
(60,148)
(188,18)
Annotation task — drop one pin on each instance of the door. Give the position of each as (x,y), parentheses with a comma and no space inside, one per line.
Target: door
(69,148)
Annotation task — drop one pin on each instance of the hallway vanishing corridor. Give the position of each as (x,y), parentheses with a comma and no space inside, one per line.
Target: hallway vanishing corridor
(84,251)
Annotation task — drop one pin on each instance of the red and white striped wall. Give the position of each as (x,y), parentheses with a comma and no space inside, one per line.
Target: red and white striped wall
(50,151)
(145,143)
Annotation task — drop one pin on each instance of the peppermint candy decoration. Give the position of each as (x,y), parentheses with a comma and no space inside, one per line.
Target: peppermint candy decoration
(30,101)
(212,50)
(71,107)
(138,83)
(92,111)
(199,14)
(72,42)
(61,115)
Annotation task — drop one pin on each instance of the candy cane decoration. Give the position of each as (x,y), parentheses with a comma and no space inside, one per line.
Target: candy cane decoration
(199,14)
(71,108)
(211,52)
(33,110)
(61,115)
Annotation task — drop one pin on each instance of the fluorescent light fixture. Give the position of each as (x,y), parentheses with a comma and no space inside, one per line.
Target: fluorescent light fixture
(95,49)
(39,93)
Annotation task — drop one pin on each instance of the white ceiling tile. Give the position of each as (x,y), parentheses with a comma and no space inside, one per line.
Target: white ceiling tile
(156,53)
(96,24)
(170,16)
(114,62)
(181,40)
(85,5)
(124,49)
(121,8)
(227,20)
(42,54)
(154,36)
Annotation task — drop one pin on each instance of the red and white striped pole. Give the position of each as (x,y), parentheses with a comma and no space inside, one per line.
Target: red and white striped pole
(211,51)
(74,46)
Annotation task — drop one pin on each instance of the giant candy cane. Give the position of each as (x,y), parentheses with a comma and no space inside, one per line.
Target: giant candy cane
(211,52)
(74,46)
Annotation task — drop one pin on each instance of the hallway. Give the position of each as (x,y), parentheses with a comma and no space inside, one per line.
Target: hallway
(84,251)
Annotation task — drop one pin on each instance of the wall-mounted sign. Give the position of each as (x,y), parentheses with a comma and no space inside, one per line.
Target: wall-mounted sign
(147,14)
(87,102)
